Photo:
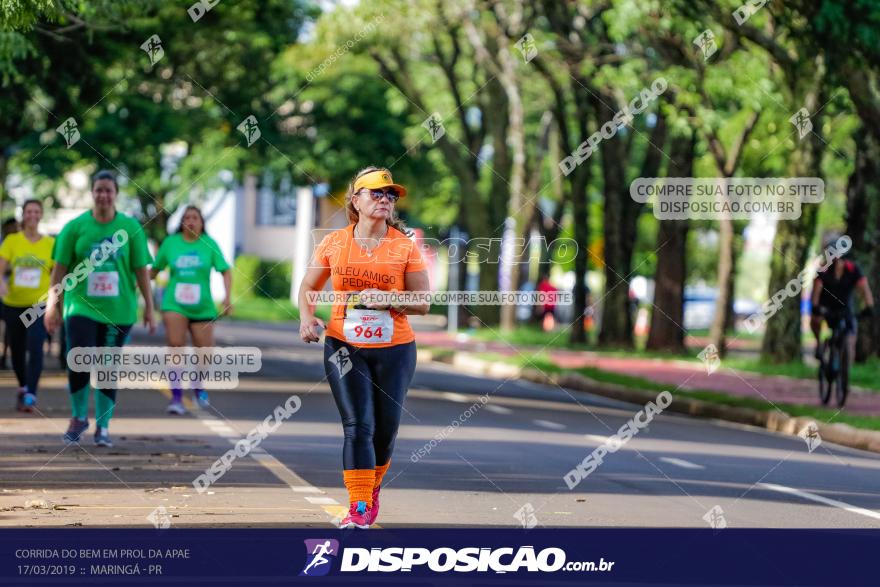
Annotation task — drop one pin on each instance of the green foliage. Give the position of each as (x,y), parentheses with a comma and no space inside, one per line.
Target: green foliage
(854,24)
(274,279)
(326,107)
(245,276)
(264,278)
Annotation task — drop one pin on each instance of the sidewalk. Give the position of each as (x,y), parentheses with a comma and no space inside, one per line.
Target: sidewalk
(674,372)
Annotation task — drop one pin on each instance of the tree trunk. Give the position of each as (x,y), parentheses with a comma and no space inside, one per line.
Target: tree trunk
(524,255)
(727,161)
(738,244)
(862,221)
(667,320)
(782,337)
(518,210)
(717,333)
(621,216)
(617,321)
(580,222)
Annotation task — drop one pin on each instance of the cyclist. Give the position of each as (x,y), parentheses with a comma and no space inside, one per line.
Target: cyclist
(99,305)
(187,305)
(833,292)
(369,350)
(29,255)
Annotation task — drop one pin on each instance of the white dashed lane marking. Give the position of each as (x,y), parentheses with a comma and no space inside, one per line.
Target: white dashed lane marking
(454,397)
(549,424)
(596,438)
(681,463)
(499,409)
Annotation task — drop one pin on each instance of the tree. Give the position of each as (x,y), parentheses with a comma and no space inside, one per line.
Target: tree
(591,52)
(667,332)
(185,91)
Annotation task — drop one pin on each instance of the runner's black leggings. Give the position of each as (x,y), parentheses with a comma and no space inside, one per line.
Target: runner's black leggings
(85,332)
(369,386)
(26,345)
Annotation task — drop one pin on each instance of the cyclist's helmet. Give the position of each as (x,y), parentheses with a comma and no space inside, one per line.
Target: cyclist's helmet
(833,239)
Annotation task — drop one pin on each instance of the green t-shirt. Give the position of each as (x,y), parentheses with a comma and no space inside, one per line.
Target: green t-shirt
(101,260)
(190,263)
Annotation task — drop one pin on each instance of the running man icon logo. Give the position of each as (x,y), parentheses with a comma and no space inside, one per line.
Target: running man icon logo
(705,41)
(810,434)
(320,553)
(527,47)
(801,121)
(434,125)
(159,518)
(715,518)
(250,129)
(153,48)
(69,131)
(342,360)
(526,516)
(711,358)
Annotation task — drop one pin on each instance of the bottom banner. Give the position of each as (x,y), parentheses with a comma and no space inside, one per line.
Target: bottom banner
(438,556)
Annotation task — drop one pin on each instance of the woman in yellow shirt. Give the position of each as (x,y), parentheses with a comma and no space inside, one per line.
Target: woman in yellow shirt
(28,255)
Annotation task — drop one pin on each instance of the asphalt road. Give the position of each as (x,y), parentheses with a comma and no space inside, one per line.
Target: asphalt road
(499,455)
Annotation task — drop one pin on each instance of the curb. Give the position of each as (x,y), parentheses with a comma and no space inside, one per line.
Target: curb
(842,434)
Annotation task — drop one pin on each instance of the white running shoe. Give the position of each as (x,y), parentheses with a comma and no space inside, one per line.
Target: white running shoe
(176,408)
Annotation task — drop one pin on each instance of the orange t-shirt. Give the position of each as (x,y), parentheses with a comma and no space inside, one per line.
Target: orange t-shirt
(352,269)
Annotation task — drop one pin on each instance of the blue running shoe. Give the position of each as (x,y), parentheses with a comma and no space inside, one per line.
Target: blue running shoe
(102,437)
(28,402)
(75,430)
(202,398)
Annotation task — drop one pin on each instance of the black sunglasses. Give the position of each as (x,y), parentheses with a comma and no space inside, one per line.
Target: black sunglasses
(389,193)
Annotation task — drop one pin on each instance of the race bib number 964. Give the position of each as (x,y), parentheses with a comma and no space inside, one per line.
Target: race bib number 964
(368,326)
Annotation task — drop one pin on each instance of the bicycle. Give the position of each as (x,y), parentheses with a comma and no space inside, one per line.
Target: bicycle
(834,360)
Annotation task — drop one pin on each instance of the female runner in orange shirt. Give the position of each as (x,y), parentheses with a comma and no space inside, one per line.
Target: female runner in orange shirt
(369,350)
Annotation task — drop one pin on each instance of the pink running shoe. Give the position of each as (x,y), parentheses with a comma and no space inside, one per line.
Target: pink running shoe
(373,512)
(359,516)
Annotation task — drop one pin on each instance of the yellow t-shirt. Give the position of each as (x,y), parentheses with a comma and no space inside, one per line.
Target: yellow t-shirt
(29,265)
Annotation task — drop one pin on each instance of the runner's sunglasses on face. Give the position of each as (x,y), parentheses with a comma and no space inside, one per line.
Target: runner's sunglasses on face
(377,194)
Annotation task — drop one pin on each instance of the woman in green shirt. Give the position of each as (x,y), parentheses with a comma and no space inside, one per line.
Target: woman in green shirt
(28,255)
(101,260)
(187,306)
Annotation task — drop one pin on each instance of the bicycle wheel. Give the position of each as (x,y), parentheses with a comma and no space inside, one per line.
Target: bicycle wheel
(824,374)
(842,388)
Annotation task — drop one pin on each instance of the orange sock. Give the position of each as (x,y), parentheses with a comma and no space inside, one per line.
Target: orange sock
(359,483)
(380,472)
